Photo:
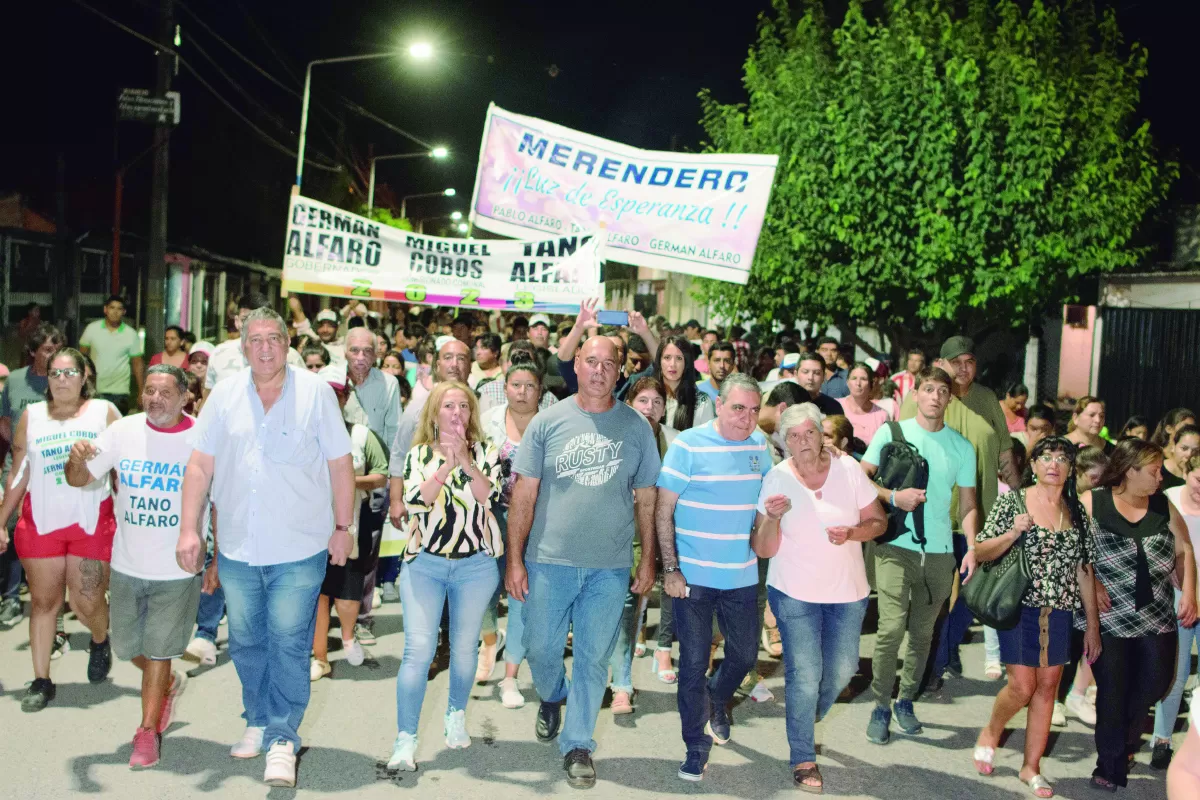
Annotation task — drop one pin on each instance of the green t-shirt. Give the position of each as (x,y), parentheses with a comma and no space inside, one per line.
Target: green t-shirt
(112,352)
(951,464)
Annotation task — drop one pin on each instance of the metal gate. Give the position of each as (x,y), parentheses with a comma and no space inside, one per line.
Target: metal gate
(1149,362)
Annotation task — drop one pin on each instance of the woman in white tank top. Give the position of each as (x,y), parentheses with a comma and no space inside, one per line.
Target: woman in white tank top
(64,535)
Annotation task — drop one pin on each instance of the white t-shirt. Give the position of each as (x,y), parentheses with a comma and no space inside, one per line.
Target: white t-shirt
(228,359)
(1175,495)
(53,502)
(150,463)
(808,567)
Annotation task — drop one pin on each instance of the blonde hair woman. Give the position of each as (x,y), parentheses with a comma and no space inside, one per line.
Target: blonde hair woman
(451,482)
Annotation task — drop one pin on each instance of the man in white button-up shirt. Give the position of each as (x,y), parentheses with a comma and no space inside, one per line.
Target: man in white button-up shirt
(272,445)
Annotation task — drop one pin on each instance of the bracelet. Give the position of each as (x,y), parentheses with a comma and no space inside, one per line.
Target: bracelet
(893,500)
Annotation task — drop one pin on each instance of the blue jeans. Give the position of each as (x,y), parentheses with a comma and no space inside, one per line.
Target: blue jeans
(514,648)
(1166,711)
(588,601)
(212,608)
(737,614)
(621,662)
(426,583)
(388,569)
(272,612)
(957,622)
(11,572)
(820,656)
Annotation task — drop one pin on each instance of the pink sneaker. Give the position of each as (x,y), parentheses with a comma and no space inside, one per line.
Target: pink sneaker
(171,700)
(145,749)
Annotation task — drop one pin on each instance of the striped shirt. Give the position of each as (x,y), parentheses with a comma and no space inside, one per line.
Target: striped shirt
(717,481)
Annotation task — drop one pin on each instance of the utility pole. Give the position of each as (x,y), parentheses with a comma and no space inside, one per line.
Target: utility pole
(156,274)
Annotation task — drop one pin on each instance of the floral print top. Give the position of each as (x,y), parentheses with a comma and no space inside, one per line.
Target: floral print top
(1054,556)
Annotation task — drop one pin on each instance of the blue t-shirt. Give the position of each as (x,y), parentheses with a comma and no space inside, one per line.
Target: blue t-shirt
(951,463)
(717,481)
(708,389)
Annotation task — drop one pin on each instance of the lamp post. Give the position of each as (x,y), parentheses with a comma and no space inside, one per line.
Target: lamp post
(420,51)
(437,152)
(404,200)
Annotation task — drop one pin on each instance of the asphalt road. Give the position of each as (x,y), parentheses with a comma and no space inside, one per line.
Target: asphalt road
(80,745)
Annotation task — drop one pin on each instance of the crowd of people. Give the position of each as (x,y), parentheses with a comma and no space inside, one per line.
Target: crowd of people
(300,473)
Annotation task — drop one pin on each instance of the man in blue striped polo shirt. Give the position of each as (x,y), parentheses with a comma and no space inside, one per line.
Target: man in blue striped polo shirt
(707,496)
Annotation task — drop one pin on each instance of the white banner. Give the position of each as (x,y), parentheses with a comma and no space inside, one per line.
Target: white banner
(333,252)
(698,214)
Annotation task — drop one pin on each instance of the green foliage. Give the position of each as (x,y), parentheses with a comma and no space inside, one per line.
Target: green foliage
(948,166)
(385,216)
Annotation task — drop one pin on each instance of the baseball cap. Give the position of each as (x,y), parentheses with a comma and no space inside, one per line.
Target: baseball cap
(955,346)
(539,319)
(334,375)
(790,361)
(327,315)
(204,348)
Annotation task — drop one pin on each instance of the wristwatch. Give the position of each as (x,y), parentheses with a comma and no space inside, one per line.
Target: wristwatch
(350,529)
(669,570)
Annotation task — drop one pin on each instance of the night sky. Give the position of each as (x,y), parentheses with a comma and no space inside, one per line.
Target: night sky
(628,71)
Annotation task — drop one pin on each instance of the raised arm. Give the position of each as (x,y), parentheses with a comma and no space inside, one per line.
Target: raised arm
(586,319)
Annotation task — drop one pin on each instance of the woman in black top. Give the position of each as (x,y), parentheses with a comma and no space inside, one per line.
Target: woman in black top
(1087,420)
(1139,538)
(1185,444)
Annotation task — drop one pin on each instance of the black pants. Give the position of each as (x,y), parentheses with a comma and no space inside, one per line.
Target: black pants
(1072,665)
(1131,675)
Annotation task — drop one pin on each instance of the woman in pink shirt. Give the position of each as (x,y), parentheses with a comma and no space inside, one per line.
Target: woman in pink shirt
(814,512)
(864,414)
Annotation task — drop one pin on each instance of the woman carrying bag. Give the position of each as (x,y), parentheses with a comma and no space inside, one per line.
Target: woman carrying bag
(1047,521)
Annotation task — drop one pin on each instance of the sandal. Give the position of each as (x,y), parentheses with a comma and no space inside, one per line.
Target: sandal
(665,674)
(1040,786)
(622,703)
(984,755)
(801,774)
(1103,783)
(639,650)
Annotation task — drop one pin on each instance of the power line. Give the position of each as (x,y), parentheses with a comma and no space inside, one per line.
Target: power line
(263,134)
(243,92)
(238,53)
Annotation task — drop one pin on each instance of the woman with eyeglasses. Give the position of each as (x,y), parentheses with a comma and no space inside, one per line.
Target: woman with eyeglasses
(1056,542)
(64,535)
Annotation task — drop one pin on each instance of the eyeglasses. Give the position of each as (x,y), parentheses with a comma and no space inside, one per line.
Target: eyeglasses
(69,372)
(1050,458)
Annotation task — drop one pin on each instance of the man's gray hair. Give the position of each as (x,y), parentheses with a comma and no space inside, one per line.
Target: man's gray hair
(798,415)
(264,315)
(181,380)
(738,380)
(365,332)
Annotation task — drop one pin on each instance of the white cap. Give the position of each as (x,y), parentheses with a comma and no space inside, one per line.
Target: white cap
(334,374)
(539,319)
(327,315)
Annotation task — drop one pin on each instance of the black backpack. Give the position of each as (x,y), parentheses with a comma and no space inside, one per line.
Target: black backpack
(901,466)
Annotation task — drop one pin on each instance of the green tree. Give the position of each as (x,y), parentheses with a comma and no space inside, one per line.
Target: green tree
(947,166)
(385,216)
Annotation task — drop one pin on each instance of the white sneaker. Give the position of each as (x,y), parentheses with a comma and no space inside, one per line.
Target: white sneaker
(281,766)
(1059,717)
(353,652)
(202,651)
(993,670)
(250,745)
(1078,705)
(760,693)
(318,669)
(510,694)
(404,752)
(456,730)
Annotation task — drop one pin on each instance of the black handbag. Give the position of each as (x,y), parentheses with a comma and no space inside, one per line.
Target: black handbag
(995,591)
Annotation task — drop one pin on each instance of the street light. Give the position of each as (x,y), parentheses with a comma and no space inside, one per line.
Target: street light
(404,200)
(438,153)
(418,50)
(456,215)
(462,227)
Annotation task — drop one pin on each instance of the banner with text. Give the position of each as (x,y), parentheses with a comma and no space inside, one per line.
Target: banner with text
(698,214)
(331,251)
